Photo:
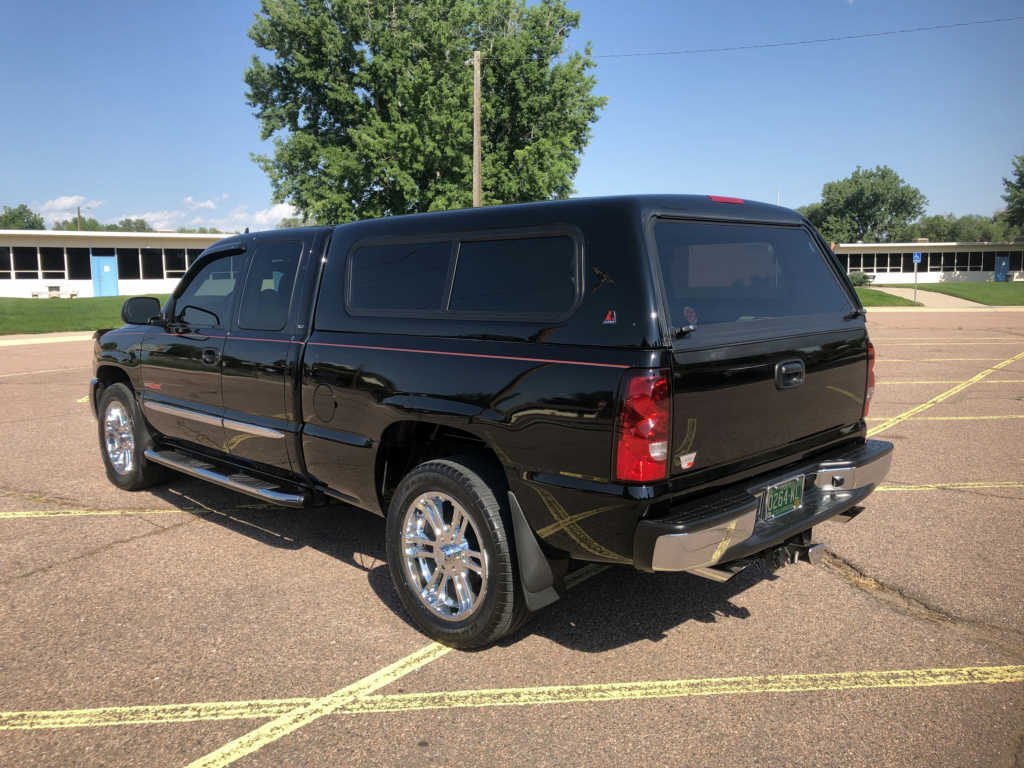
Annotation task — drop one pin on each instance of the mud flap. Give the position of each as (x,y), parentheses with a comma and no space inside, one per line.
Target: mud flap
(535,573)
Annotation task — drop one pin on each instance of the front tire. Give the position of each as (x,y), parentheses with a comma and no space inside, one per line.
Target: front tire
(450,553)
(124,438)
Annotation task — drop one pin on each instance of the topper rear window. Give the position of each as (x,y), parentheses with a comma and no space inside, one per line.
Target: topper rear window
(715,272)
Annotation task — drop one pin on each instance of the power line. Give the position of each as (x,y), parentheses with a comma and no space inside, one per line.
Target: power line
(815,41)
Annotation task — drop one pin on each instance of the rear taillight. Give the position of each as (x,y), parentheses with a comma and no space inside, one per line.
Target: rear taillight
(869,393)
(641,452)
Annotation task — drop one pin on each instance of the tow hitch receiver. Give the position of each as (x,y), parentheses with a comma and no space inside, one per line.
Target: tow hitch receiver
(800,547)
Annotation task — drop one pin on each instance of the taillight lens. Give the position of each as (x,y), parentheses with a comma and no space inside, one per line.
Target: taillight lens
(641,453)
(870,392)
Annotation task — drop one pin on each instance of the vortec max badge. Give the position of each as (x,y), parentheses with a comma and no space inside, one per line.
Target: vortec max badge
(610,319)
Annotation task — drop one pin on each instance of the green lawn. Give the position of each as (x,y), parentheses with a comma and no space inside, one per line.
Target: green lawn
(49,315)
(869,297)
(993,294)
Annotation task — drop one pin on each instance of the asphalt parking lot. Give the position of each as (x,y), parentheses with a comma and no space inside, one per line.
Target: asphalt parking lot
(191,626)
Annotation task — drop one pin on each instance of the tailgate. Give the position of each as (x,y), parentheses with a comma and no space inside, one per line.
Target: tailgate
(733,403)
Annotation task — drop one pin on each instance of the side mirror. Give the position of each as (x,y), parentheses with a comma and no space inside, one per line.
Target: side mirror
(139,309)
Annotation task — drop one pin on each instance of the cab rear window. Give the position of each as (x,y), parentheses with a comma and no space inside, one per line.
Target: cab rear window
(716,272)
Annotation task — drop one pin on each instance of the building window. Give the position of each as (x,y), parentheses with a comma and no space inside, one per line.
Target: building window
(962,261)
(855,260)
(5,263)
(152,264)
(53,263)
(1015,261)
(78,264)
(948,262)
(174,259)
(975,263)
(26,263)
(128,264)
(193,254)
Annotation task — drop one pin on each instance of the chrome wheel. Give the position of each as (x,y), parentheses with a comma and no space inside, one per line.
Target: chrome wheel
(119,438)
(444,560)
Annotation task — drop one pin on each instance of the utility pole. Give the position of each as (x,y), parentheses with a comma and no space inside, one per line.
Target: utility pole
(477,181)
(79,219)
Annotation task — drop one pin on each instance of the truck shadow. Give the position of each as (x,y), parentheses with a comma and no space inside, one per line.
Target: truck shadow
(615,607)
(621,606)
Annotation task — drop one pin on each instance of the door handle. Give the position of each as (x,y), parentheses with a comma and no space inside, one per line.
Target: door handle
(789,374)
(210,356)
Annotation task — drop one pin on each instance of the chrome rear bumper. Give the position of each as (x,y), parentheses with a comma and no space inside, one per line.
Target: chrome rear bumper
(728,525)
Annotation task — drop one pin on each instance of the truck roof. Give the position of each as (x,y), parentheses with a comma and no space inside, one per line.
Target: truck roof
(701,206)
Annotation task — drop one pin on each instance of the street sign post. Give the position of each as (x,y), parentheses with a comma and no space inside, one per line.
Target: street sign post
(917,260)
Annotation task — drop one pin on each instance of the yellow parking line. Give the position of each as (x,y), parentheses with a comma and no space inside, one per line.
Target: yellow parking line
(495,697)
(883,343)
(951,486)
(663,689)
(506,697)
(958,418)
(147,715)
(317,708)
(943,396)
(83,513)
(46,370)
(887,382)
(883,359)
(879,339)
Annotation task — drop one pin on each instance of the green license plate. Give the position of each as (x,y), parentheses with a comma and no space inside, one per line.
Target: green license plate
(782,498)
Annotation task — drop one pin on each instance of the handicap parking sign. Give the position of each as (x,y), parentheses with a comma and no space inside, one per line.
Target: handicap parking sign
(917,257)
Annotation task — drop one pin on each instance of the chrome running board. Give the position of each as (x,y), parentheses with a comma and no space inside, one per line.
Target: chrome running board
(239,481)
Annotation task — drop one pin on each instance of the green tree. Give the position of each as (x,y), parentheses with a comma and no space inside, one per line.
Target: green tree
(21,217)
(291,222)
(89,224)
(371,105)
(1014,195)
(200,230)
(873,205)
(972,228)
(131,225)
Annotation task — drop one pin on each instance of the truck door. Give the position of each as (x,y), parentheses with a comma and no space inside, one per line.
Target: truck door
(262,352)
(181,362)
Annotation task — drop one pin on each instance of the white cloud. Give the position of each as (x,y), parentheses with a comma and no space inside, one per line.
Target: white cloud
(241,217)
(161,219)
(192,204)
(66,207)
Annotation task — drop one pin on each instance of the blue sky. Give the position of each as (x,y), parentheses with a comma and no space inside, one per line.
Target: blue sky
(138,109)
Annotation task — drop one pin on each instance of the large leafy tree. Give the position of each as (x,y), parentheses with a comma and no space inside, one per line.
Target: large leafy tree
(873,205)
(370,103)
(1014,195)
(21,217)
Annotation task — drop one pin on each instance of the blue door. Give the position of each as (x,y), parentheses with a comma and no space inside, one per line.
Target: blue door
(1002,268)
(104,275)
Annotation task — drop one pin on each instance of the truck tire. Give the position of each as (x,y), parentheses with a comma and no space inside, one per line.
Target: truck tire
(124,437)
(451,554)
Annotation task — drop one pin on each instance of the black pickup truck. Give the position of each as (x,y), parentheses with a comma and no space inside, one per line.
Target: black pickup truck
(677,383)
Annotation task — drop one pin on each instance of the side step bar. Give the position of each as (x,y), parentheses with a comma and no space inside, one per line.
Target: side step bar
(236,481)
